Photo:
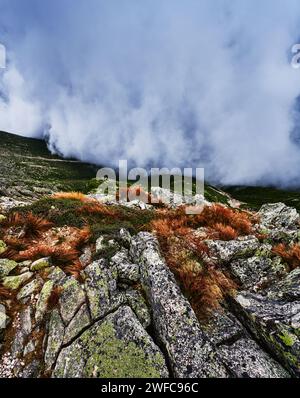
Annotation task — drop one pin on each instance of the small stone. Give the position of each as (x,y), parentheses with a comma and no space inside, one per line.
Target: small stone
(29,289)
(55,274)
(14,282)
(40,264)
(86,258)
(242,247)
(6,266)
(23,270)
(4,319)
(3,247)
(29,348)
(100,244)
(125,236)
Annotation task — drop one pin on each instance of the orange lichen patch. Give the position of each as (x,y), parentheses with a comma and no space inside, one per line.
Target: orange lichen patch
(291,255)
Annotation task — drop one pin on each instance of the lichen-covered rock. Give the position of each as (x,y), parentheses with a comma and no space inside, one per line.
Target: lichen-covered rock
(287,289)
(278,216)
(255,272)
(6,266)
(275,323)
(71,298)
(55,339)
(226,251)
(3,247)
(244,358)
(15,282)
(86,258)
(223,328)
(42,303)
(56,274)
(31,370)
(125,236)
(117,346)
(241,354)
(137,303)
(189,351)
(101,288)
(29,289)
(100,244)
(23,327)
(40,264)
(126,269)
(80,321)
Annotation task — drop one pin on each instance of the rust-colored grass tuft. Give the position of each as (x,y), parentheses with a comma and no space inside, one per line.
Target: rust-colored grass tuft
(26,225)
(59,254)
(223,232)
(95,208)
(72,196)
(5,293)
(217,215)
(291,255)
(74,270)
(54,298)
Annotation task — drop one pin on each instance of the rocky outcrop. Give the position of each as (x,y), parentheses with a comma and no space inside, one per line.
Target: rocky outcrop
(117,346)
(188,349)
(125,315)
(275,320)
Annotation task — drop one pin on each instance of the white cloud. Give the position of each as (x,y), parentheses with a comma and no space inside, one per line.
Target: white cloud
(168,83)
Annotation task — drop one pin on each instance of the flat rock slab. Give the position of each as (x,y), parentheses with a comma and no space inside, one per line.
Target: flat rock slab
(101,289)
(278,216)
(226,251)
(246,359)
(117,346)
(275,324)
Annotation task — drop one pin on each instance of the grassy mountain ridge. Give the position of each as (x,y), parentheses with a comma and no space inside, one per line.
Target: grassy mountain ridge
(27,168)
